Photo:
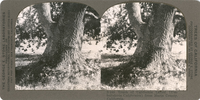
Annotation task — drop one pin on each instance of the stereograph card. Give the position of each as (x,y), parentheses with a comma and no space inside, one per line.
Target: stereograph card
(99,50)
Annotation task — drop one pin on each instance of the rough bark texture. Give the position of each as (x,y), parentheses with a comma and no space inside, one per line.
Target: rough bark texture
(64,37)
(51,29)
(142,53)
(163,34)
(155,41)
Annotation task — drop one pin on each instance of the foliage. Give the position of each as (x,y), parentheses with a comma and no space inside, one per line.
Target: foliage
(146,10)
(180,28)
(28,30)
(92,25)
(119,31)
(56,9)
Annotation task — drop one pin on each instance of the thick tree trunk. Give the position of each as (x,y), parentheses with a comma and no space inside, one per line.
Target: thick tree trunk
(64,37)
(161,37)
(62,56)
(154,42)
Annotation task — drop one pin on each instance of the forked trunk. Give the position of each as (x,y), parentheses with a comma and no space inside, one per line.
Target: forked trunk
(154,38)
(64,38)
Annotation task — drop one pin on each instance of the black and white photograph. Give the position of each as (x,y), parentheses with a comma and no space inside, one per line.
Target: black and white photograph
(69,46)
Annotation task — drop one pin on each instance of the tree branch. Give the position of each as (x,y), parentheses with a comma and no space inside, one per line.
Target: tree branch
(134,14)
(44,15)
(44,12)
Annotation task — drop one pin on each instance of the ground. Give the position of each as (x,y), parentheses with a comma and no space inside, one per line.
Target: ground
(107,59)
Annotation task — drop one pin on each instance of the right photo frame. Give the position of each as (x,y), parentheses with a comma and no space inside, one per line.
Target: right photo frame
(148,45)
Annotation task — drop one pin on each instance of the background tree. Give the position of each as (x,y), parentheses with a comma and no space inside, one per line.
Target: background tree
(63,26)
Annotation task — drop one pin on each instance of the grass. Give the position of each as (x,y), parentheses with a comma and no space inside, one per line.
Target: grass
(109,66)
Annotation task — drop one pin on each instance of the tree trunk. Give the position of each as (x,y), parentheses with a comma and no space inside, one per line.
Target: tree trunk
(64,37)
(162,36)
(154,38)
(51,53)
(62,56)
(142,53)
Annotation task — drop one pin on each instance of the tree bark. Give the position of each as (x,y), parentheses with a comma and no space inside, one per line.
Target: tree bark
(163,33)
(64,38)
(155,37)
(51,29)
(142,54)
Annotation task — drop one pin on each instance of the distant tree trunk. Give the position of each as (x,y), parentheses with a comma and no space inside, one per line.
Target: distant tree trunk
(155,37)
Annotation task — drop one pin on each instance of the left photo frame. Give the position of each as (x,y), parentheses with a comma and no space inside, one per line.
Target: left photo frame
(49,47)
